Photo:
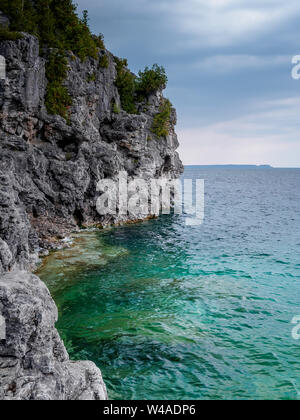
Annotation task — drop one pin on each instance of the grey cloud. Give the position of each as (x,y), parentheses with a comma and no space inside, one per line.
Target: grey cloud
(252,42)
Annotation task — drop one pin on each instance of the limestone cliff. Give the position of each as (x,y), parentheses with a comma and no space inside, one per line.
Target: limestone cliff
(49,169)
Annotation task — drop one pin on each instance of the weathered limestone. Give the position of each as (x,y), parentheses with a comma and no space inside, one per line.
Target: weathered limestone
(48,175)
(34,364)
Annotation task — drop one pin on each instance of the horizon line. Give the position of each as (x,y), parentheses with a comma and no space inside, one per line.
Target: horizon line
(244,164)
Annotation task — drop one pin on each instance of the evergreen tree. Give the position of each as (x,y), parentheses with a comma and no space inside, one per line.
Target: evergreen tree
(55,23)
(46,23)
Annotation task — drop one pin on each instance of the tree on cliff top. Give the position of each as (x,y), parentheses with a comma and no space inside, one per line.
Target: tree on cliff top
(134,89)
(150,80)
(55,23)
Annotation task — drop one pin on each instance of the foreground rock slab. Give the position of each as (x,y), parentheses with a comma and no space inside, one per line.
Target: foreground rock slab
(34,364)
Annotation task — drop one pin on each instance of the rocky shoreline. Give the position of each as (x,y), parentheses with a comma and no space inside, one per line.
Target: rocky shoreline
(49,169)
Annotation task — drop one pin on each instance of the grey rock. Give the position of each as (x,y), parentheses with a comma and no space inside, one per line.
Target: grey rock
(49,171)
(34,364)
(5,256)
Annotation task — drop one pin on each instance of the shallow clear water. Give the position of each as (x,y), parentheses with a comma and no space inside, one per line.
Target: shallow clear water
(175,312)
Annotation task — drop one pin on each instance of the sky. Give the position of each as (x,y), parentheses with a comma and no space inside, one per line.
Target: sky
(229,65)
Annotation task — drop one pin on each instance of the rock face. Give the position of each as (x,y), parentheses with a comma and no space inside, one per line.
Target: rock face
(49,170)
(34,364)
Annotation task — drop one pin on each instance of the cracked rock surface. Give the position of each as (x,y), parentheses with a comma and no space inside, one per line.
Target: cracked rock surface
(49,170)
(34,364)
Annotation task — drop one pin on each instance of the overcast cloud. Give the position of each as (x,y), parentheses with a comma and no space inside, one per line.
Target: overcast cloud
(229,68)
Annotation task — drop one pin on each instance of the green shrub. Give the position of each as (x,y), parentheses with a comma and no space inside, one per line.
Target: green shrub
(55,23)
(134,89)
(125,83)
(104,62)
(57,98)
(115,108)
(7,35)
(56,67)
(57,26)
(161,121)
(81,42)
(99,41)
(121,63)
(92,77)
(69,156)
(150,80)
(22,15)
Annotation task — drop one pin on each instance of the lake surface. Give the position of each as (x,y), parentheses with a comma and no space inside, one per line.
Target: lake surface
(170,311)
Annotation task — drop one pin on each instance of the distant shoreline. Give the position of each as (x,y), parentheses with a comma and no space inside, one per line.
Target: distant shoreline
(237,166)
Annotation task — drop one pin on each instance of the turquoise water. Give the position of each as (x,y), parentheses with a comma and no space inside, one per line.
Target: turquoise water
(175,312)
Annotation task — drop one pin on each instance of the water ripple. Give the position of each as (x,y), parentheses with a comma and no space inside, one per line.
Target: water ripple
(168,311)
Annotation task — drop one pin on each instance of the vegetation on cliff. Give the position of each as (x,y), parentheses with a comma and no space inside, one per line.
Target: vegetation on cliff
(104,62)
(57,97)
(58,27)
(133,89)
(55,23)
(150,80)
(7,35)
(161,121)
(125,83)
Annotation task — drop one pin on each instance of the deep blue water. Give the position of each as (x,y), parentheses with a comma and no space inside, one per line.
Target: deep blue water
(169,311)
